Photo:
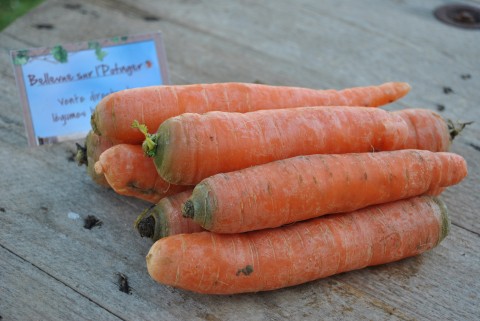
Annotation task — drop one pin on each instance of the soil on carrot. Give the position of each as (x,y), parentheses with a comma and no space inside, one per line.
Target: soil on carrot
(247,270)
(91,221)
(146,227)
(123,285)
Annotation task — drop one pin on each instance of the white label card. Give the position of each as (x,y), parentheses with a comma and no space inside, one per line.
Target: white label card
(60,86)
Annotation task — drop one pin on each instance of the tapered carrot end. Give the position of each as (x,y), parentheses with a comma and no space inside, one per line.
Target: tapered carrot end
(99,170)
(406,87)
(401,89)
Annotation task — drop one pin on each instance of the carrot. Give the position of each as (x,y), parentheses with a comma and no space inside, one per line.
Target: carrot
(115,113)
(270,259)
(129,172)
(304,187)
(165,218)
(89,154)
(427,130)
(190,147)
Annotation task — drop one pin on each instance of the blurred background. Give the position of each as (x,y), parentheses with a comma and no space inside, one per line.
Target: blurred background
(12,9)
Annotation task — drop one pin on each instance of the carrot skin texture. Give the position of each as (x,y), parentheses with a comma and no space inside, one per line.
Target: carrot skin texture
(303,187)
(168,219)
(151,106)
(427,130)
(270,259)
(94,146)
(129,172)
(192,146)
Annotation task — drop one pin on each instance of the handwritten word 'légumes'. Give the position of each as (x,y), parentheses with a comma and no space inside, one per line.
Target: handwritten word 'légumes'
(102,70)
(64,118)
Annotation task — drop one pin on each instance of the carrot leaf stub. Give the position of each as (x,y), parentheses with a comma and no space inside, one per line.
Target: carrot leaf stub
(145,223)
(149,145)
(188,209)
(200,208)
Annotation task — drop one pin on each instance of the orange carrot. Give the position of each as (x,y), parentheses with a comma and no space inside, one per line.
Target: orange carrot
(191,147)
(165,218)
(151,106)
(270,259)
(427,130)
(304,187)
(89,154)
(129,172)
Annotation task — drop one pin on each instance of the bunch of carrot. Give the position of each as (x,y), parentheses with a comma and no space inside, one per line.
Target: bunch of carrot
(258,187)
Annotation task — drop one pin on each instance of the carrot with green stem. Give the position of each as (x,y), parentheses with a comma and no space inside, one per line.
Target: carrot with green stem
(303,187)
(275,258)
(165,218)
(89,153)
(129,172)
(151,106)
(191,147)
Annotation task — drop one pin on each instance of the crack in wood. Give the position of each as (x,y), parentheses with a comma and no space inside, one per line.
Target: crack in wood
(62,282)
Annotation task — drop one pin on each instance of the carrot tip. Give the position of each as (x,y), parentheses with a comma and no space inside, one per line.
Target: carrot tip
(98,168)
(407,86)
(188,210)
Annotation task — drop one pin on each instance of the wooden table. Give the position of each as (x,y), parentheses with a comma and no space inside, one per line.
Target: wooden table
(54,269)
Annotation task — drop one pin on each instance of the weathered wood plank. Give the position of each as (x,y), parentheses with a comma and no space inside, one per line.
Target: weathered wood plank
(435,280)
(28,293)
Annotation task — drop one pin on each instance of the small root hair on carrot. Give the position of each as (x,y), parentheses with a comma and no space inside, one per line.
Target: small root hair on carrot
(456,129)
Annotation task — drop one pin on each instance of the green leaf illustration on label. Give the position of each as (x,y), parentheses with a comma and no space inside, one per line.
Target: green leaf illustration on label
(21,58)
(98,50)
(60,54)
